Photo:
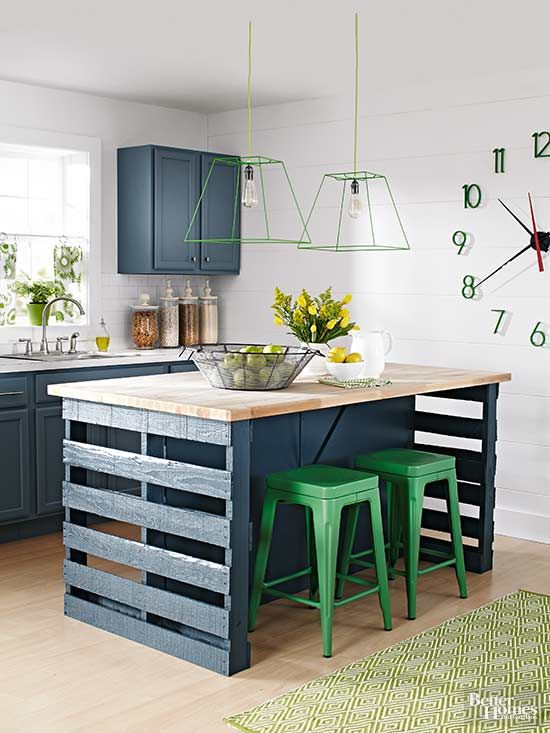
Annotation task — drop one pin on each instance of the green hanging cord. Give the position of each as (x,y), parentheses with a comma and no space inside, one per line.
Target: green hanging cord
(249,83)
(356,93)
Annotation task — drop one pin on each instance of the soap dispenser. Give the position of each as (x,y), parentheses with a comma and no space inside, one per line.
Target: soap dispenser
(169,318)
(208,316)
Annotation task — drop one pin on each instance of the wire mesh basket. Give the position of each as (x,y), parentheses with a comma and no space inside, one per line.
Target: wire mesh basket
(251,368)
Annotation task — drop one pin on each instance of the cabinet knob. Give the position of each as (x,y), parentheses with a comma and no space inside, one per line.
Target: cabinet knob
(207,259)
(193,259)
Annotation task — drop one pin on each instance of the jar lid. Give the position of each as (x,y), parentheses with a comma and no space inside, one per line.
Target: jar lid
(207,293)
(144,304)
(188,294)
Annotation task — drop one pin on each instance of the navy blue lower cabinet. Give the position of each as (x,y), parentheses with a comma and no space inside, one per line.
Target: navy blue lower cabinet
(49,433)
(16,499)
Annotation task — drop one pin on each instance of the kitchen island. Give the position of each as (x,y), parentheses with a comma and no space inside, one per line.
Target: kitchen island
(204,457)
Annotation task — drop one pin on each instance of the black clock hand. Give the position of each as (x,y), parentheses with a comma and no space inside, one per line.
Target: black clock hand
(516,218)
(503,265)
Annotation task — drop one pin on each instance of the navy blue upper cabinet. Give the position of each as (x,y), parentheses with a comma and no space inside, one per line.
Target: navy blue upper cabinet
(158,189)
(220,215)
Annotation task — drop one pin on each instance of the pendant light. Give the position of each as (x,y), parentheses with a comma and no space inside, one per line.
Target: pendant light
(342,217)
(254,177)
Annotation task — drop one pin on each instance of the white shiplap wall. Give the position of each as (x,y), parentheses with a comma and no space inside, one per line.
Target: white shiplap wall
(429,142)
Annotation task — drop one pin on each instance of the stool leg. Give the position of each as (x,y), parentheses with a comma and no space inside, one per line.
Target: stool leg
(456,534)
(350,527)
(326,521)
(311,555)
(394,529)
(262,554)
(380,559)
(411,504)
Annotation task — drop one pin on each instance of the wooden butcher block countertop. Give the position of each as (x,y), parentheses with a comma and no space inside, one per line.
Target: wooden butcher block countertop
(190,394)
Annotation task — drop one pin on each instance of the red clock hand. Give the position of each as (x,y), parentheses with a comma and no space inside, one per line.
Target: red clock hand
(536,235)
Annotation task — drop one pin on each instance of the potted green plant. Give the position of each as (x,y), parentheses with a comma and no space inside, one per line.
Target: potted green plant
(38,293)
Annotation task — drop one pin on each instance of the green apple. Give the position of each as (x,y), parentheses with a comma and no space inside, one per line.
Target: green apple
(256,361)
(238,378)
(274,349)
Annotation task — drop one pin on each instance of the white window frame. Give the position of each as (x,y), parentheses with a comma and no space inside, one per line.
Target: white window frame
(9,335)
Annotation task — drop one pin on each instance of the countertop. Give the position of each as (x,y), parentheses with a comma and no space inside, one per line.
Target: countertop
(120,357)
(190,394)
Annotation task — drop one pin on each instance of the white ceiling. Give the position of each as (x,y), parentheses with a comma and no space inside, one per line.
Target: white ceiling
(192,54)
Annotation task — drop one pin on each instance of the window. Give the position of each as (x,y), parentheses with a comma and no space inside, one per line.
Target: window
(44,226)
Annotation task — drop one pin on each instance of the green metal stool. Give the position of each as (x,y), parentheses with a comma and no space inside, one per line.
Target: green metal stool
(407,472)
(324,491)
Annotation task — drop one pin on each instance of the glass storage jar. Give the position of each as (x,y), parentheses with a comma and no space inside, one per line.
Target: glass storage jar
(145,327)
(208,316)
(189,317)
(169,318)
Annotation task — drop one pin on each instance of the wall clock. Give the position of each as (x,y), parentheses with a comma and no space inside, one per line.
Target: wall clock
(536,244)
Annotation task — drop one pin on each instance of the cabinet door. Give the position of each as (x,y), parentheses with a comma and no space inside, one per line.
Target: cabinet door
(220,216)
(176,192)
(50,430)
(15,489)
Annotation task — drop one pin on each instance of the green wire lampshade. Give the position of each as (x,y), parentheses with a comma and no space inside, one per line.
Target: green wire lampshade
(276,219)
(329,226)
(354,211)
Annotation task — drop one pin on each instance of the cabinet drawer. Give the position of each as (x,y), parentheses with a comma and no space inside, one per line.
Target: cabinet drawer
(87,375)
(14,392)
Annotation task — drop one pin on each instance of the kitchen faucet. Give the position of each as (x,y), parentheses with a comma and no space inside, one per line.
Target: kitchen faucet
(46,314)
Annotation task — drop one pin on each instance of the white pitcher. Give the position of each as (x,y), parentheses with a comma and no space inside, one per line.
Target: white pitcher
(373,346)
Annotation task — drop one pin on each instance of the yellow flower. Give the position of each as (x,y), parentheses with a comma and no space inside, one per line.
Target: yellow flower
(344,313)
(302,302)
(356,328)
(312,310)
(344,323)
(278,320)
(313,329)
(346,299)
(332,323)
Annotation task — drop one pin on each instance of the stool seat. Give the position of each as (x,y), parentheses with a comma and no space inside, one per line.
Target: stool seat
(405,462)
(322,482)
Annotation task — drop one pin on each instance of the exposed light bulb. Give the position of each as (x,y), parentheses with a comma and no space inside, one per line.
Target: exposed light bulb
(250,195)
(355,204)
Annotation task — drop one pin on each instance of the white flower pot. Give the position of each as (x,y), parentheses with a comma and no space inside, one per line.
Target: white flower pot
(317,367)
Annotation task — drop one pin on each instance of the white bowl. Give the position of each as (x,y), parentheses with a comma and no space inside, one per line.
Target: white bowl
(345,371)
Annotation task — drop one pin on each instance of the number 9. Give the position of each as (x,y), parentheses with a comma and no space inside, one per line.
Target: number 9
(459,240)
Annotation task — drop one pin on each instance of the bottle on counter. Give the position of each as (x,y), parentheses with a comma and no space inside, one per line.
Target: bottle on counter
(102,339)
(169,318)
(208,316)
(145,327)
(188,317)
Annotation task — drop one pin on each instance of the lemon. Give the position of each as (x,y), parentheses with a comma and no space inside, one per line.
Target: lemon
(354,358)
(337,355)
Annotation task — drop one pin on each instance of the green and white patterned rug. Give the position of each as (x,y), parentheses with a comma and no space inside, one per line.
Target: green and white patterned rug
(483,672)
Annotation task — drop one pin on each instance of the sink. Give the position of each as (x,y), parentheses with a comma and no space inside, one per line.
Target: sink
(53,357)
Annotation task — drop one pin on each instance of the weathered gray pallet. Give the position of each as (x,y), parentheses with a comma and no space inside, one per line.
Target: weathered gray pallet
(199,615)
(160,471)
(127,508)
(145,421)
(212,654)
(192,570)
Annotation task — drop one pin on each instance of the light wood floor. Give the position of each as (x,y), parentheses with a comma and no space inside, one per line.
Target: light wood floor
(60,675)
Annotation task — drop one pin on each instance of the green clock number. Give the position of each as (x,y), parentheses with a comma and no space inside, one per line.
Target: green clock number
(540,148)
(472,195)
(500,318)
(499,154)
(538,336)
(459,240)
(469,288)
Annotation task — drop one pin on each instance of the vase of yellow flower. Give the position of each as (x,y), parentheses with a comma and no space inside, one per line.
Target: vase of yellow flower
(315,321)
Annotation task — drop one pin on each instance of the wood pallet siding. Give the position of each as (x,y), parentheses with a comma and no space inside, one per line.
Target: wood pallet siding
(475,472)
(186,604)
